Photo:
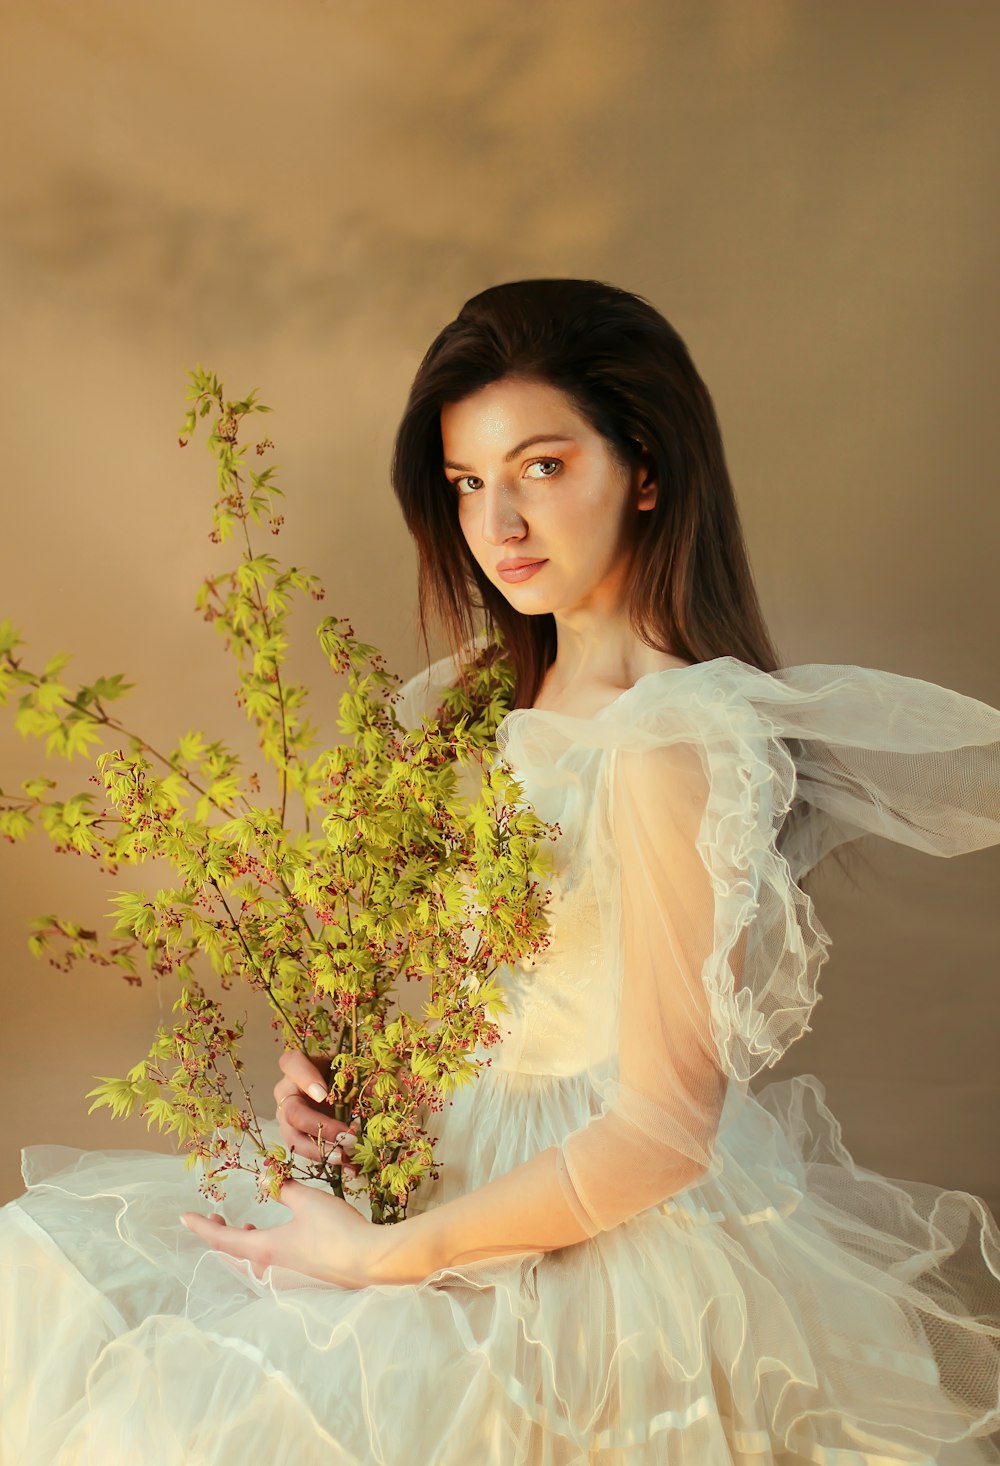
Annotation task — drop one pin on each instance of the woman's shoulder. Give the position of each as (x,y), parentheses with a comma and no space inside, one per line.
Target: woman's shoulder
(421,694)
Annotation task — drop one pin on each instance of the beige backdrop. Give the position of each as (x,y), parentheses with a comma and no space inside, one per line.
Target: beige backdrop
(298,197)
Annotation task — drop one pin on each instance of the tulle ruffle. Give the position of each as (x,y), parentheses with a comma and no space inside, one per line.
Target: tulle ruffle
(791,1307)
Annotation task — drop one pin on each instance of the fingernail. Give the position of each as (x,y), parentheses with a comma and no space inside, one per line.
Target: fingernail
(317,1092)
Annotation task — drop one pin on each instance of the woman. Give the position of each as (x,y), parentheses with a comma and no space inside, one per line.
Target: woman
(628,1256)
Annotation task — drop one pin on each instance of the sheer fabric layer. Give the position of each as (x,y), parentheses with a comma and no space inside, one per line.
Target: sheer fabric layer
(747,1293)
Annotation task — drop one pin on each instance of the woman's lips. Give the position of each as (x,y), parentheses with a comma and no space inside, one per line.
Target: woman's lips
(525,572)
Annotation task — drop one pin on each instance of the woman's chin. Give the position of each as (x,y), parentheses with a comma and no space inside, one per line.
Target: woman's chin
(528,605)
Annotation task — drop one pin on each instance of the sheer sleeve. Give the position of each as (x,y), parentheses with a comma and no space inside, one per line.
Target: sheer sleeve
(655,1135)
(720,947)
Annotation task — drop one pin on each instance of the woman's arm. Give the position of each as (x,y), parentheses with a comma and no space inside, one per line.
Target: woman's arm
(526,1210)
(530,1209)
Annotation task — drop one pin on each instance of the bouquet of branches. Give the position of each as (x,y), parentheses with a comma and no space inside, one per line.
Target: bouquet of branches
(399,873)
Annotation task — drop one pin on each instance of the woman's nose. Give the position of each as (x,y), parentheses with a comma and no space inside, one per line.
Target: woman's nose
(501,517)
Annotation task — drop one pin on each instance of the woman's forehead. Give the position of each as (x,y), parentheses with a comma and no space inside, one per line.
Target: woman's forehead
(503,414)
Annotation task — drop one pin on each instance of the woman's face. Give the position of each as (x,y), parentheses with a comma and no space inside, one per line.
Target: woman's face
(534,481)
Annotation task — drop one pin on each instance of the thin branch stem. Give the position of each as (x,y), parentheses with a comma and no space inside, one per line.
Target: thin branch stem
(252,962)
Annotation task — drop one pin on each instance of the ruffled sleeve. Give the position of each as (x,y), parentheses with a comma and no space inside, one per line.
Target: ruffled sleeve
(718,947)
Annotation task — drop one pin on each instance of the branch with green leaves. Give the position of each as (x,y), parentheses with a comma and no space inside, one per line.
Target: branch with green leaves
(417,866)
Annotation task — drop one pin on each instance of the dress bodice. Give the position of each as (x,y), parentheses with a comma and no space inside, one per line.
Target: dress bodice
(561,1000)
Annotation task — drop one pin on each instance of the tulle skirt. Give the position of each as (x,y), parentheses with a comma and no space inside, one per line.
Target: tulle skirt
(791,1307)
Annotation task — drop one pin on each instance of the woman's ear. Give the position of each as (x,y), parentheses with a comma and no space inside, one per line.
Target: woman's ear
(646,485)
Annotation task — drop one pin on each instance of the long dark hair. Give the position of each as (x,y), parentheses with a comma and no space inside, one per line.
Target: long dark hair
(627,372)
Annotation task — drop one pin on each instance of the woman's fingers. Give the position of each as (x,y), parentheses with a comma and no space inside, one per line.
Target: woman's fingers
(302,1117)
(232,1240)
(304,1127)
(305,1115)
(305,1074)
(304,1147)
(218,1219)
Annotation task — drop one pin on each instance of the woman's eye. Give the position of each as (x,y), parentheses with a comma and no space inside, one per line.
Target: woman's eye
(458,481)
(540,462)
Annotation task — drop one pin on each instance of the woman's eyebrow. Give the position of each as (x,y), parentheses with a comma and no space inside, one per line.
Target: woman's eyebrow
(528,442)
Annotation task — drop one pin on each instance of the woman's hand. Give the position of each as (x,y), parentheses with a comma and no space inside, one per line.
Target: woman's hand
(303,1112)
(326,1237)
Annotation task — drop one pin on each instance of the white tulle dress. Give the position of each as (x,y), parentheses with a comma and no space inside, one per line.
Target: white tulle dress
(746,1293)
